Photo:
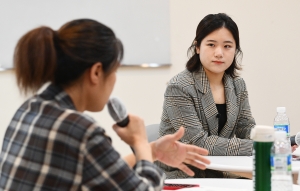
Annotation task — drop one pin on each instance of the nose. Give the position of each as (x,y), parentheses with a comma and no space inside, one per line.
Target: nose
(218,52)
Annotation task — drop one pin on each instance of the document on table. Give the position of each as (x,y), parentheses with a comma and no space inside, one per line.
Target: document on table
(213,189)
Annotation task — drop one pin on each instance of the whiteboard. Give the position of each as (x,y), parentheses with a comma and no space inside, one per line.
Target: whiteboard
(143,26)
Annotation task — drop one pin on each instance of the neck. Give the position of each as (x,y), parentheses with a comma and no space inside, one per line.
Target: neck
(214,79)
(76,93)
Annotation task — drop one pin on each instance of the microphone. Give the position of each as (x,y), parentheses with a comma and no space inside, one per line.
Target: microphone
(295,140)
(118,112)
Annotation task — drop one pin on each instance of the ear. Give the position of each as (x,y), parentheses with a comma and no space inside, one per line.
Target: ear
(197,48)
(95,73)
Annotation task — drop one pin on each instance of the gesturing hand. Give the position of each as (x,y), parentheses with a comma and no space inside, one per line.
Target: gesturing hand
(170,151)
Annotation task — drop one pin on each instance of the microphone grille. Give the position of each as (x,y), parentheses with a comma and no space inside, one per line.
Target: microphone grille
(297,138)
(116,109)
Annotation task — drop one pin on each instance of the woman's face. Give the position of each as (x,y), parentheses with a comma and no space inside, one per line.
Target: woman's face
(217,51)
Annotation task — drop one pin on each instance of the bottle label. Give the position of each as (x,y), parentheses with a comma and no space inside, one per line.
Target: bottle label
(261,166)
(285,128)
(254,169)
(281,163)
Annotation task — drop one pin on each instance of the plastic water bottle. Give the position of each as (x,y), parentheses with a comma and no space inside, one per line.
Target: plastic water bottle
(281,121)
(281,163)
(263,137)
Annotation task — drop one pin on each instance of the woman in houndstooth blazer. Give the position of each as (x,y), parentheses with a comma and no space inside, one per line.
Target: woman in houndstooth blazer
(208,98)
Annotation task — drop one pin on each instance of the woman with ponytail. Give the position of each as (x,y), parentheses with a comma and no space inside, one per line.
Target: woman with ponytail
(208,98)
(51,144)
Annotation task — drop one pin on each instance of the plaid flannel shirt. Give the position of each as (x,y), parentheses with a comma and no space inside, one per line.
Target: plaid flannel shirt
(50,146)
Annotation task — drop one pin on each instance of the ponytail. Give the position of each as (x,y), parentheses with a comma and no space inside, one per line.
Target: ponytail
(35,59)
(193,64)
(62,57)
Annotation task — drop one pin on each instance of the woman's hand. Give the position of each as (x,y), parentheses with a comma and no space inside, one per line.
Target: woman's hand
(294,147)
(170,151)
(134,133)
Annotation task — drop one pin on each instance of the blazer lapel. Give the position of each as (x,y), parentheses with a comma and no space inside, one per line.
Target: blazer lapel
(231,107)
(207,101)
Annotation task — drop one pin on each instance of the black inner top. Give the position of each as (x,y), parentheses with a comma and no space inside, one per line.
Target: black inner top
(222,116)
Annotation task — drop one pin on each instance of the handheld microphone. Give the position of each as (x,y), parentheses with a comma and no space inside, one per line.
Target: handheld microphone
(118,112)
(295,140)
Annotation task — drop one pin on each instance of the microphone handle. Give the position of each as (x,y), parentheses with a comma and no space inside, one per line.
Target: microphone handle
(124,122)
(292,139)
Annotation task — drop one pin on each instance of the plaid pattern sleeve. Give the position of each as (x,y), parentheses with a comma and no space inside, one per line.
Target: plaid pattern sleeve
(109,172)
(50,146)
(189,103)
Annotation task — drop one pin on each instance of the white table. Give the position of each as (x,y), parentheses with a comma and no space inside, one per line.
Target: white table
(242,165)
(219,184)
(239,164)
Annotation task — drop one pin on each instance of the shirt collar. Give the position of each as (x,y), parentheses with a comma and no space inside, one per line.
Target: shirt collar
(54,92)
(202,82)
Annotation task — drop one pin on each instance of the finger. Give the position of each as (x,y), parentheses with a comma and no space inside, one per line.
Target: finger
(186,169)
(115,126)
(196,164)
(294,148)
(194,149)
(118,129)
(178,134)
(197,157)
(199,150)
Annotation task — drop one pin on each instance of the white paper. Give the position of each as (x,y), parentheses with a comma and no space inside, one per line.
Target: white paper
(213,189)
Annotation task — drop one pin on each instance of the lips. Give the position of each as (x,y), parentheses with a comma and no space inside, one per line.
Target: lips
(218,62)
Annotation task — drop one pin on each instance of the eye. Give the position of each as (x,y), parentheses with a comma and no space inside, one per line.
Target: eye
(210,44)
(227,46)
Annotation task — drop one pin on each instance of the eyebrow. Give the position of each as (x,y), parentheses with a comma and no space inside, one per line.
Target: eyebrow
(226,41)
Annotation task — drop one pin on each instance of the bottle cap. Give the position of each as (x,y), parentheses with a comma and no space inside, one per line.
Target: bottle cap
(262,133)
(280,135)
(281,109)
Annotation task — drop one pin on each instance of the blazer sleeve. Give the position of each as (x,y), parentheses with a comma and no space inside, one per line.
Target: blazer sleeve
(180,110)
(245,121)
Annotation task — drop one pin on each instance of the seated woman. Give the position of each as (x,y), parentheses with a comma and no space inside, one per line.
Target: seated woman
(208,98)
(51,144)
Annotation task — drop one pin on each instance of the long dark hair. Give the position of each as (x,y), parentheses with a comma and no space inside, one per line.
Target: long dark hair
(62,56)
(207,25)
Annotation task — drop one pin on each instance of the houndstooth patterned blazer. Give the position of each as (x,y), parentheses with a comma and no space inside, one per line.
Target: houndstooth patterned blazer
(189,103)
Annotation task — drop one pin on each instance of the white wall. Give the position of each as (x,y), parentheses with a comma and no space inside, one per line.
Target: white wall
(33,13)
(269,34)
